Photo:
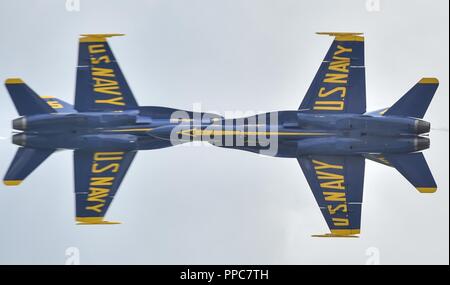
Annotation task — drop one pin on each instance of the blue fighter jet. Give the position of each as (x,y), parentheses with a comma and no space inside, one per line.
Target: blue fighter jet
(330,134)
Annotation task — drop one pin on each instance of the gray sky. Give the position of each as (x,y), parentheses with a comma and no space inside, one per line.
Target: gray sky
(206,205)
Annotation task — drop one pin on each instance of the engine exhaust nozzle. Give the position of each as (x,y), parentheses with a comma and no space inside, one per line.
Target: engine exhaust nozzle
(19,124)
(422,127)
(19,139)
(421,143)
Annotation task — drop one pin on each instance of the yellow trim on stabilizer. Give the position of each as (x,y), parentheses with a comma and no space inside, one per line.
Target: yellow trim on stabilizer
(93,221)
(12,182)
(384,111)
(427,189)
(47,97)
(344,37)
(14,81)
(429,80)
(92,38)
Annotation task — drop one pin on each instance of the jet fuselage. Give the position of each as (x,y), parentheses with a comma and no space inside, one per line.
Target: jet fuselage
(281,134)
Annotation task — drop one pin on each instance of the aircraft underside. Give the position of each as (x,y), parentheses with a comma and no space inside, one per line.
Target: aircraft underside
(331,134)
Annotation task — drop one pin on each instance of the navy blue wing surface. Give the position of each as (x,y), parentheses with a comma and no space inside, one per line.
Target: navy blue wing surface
(416,101)
(337,183)
(24,163)
(27,102)
(100,84)
(339,85)
(415,169)
(98,176)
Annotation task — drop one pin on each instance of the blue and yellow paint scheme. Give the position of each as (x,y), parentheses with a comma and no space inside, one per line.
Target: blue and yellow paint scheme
(330,134)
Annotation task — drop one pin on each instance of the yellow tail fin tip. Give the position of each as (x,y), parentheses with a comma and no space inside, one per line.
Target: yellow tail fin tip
(427,189)
(12,182)
(14,81)
(429,80)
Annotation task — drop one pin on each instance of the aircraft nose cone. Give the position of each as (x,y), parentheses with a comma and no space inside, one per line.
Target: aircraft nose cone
(423,127)
(422,143)
(19,139)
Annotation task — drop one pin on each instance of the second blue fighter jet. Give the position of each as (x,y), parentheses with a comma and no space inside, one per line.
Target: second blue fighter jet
(330,134)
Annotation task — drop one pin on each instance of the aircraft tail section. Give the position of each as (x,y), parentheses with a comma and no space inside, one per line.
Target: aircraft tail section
(27,102)
(58,105)
(416,101)
(25,161)
(412,166)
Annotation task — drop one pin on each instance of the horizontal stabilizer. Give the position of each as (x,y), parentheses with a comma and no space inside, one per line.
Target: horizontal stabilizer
(58,105)
(416,101)
(25,161)
(27,102)
(415,169)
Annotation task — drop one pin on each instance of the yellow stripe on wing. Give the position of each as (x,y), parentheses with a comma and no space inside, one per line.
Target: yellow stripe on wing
(197,132)
(131,130)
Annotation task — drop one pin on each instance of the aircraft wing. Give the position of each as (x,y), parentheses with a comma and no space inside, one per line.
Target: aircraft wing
(337,184)
(340,84)
(100,84)
(97,178)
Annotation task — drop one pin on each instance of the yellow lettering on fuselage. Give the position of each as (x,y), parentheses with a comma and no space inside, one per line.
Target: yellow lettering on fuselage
(338,73)
(104,79)
(331,179)
(101,182)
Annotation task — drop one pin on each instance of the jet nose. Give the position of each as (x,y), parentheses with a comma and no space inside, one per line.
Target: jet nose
(19,139)
(421,143)
(422,127)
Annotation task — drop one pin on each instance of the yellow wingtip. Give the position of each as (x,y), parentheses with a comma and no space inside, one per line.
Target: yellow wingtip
(348,233)
(14,81)
(94,221)
(340,33)
(87,38)
(334,236)
(427,189)
(12,182)
(429,80)
(345,36)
